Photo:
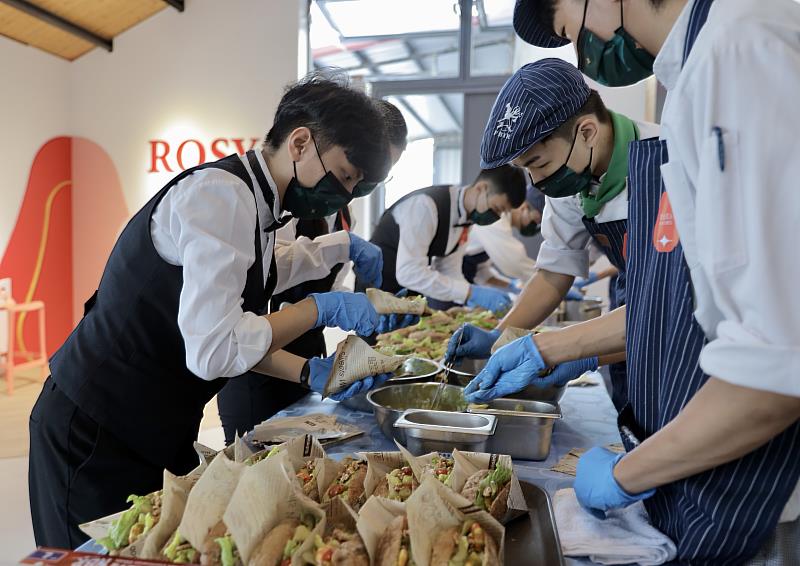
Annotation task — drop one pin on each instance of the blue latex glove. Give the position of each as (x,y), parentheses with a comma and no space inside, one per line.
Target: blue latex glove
(476,343)
(367,260)
(595,486)
(580,282)
(574,294)
(320,370)
(348,311)
(513,287)
(488,298)
(390,322)
(510,369)
(566,372)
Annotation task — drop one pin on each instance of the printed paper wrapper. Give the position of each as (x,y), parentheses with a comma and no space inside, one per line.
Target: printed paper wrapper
(355,360)
(374,518)
(205,453)
(417,463)
(509,335)
(386,303)
(173,501)
(209,498)
(432,508)
(338,515)
(468,463)
(380,464)
(325,428)
(265,495)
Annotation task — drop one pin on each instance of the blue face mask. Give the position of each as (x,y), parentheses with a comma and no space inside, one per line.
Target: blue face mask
(617,62)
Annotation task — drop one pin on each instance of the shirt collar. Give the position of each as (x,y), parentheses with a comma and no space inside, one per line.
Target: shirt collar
(669,61)
(272,185)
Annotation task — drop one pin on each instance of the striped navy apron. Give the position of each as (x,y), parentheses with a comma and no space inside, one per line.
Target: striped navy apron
(724,515)
(610,236)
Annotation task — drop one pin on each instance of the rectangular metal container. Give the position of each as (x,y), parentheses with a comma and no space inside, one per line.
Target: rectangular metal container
(524,428)
(441,431)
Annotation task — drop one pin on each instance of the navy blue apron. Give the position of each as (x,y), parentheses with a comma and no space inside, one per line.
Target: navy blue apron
(724,515)
(610,236)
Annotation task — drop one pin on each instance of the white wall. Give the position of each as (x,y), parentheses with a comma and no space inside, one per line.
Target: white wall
(34,107)
(215,70)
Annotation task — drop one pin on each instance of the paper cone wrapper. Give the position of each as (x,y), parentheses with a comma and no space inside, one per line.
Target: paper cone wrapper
(209,498)
(386,303)
(205,453)
(338,515)
(374,517)
(417,463)
(378,465)
(355,360)
(509,335)
(434,507)
(173,500)
(327,471)
(301,449)
(265,495)
(241,451)
(468,463)
(173,504)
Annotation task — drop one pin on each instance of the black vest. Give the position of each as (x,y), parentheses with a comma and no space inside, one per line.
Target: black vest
(312,343)
(387,235)
(125,362)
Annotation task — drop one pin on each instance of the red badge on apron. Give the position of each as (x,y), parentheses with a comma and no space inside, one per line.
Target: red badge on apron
(464,236)
(665,233)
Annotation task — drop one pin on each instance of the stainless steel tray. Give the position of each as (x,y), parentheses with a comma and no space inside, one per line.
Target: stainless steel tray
(524,428)
(441,431)
(532,539)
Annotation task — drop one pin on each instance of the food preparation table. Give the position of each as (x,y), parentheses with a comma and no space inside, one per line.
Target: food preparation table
(589,419)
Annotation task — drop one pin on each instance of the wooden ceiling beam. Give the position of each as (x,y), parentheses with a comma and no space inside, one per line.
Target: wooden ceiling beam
(61,23)
(177,4)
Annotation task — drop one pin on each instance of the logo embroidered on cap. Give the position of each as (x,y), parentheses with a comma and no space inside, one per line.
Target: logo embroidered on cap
(665,233)
(505,125)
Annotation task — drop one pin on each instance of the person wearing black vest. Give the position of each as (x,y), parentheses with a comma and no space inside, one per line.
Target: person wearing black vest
(249,400)
(182,306)
(494,255)
(422,237)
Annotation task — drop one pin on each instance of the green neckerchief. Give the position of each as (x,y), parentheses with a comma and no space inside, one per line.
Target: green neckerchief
(625,131)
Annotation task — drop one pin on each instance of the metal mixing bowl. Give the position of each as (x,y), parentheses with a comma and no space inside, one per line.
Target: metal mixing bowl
(463,372)
(413,370)
(389,402)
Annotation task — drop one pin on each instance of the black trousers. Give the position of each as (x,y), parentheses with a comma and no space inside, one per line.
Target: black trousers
(252,398)
(77,471)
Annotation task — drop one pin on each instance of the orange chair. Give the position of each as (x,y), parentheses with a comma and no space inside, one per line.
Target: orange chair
(35,359)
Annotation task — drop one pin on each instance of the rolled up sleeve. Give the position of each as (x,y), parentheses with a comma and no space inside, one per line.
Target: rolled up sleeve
(212,224)
(563,249)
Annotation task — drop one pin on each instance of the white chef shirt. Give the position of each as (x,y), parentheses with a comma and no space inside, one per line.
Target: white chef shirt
(417,219)
(506,252)
(303,256)
(736,219)
(206,224)
(565,236)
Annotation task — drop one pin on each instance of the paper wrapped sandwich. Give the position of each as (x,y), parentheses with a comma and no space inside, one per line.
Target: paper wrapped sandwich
(355,360)
(386,303)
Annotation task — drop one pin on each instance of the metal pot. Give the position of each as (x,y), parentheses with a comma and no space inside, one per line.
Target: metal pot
(413,370)
(463,372)
(587,309)
(389,402)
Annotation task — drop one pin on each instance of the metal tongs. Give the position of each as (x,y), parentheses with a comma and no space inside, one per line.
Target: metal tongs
(448,367)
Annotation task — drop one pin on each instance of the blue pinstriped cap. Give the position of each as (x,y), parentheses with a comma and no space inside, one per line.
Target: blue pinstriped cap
(530,28)
(536,100)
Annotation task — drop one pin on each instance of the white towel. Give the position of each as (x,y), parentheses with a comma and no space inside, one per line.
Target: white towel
(624,537)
